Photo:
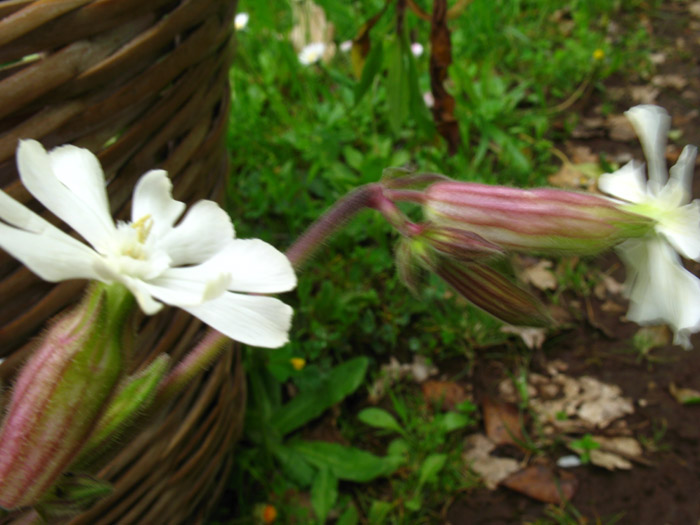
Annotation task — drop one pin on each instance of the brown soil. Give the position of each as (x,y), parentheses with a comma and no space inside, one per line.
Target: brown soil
(667,490)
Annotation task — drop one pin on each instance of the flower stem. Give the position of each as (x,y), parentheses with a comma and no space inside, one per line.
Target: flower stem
(369,196)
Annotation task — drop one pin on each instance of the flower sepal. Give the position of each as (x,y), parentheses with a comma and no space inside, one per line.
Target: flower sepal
(61,392)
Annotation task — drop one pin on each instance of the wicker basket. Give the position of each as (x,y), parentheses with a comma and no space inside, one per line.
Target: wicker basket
(143,84)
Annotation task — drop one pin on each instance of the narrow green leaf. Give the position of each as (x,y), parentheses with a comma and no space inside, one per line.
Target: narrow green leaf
(340,382)
(347,463)
(372,66)
(379,418)
(324,493)
(397,85)
(431,467)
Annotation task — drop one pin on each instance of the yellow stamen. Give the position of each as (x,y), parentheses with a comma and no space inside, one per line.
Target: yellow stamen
(143,226)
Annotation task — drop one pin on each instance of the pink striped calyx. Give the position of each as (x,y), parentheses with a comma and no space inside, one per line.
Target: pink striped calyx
(544,221)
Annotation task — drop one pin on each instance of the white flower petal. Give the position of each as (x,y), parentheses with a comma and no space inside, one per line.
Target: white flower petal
(253,320)
(681,227)
(683,170)
(143,295)
(204,231)
(153,196)
(188,286)
(68,259)
(627,184)
(91,219)
(660,289)
(255,266)
(651,123)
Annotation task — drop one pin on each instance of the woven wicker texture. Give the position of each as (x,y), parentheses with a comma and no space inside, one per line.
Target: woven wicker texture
(143,84)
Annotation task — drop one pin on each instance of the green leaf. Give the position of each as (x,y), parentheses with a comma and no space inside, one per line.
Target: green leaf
(295,466)
(431,467)
(372,66)
(346,463)
(398,447)
(379,418)
(378,512)
(340,382)
(324,493)
(349,517)
(453,420)
(397,86)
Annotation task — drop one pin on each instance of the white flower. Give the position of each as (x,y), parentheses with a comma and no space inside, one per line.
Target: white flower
(417,49)
(429,99)
(196,265)
(312,53)
(346,46)
(659,288)
(240,21)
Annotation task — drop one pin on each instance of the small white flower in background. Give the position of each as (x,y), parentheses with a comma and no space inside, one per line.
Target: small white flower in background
(417,49)
(241,21)
(429,99)
(346,46)
(196,265)
(312,53)
(659,287)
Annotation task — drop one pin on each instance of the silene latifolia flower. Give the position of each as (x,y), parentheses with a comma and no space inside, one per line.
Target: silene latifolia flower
(660,289)
(196,264)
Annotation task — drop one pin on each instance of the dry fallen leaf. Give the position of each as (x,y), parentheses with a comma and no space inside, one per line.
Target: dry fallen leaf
(492,469)
(608,460)
(649,337)
(419,371)
(502,422)
(533,337)
(447,394)
(685,396)
(540,275)
(625,445)
(311,26)
(566,404)
(694,9)
(607,284)
(645,94)
(620,129)
(539,482)
(670,81)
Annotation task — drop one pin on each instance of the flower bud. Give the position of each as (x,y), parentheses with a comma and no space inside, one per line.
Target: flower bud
(493,292)
(475,280)
(133,397)
(546,221)
(60,393)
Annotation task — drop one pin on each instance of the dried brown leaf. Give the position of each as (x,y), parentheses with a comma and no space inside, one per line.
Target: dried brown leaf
(540,482)
(609,460)
(670,81)
(620,129)
(533,337)
(684,395)
(492,470)
(446,393)
(502,422)
(540,275)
